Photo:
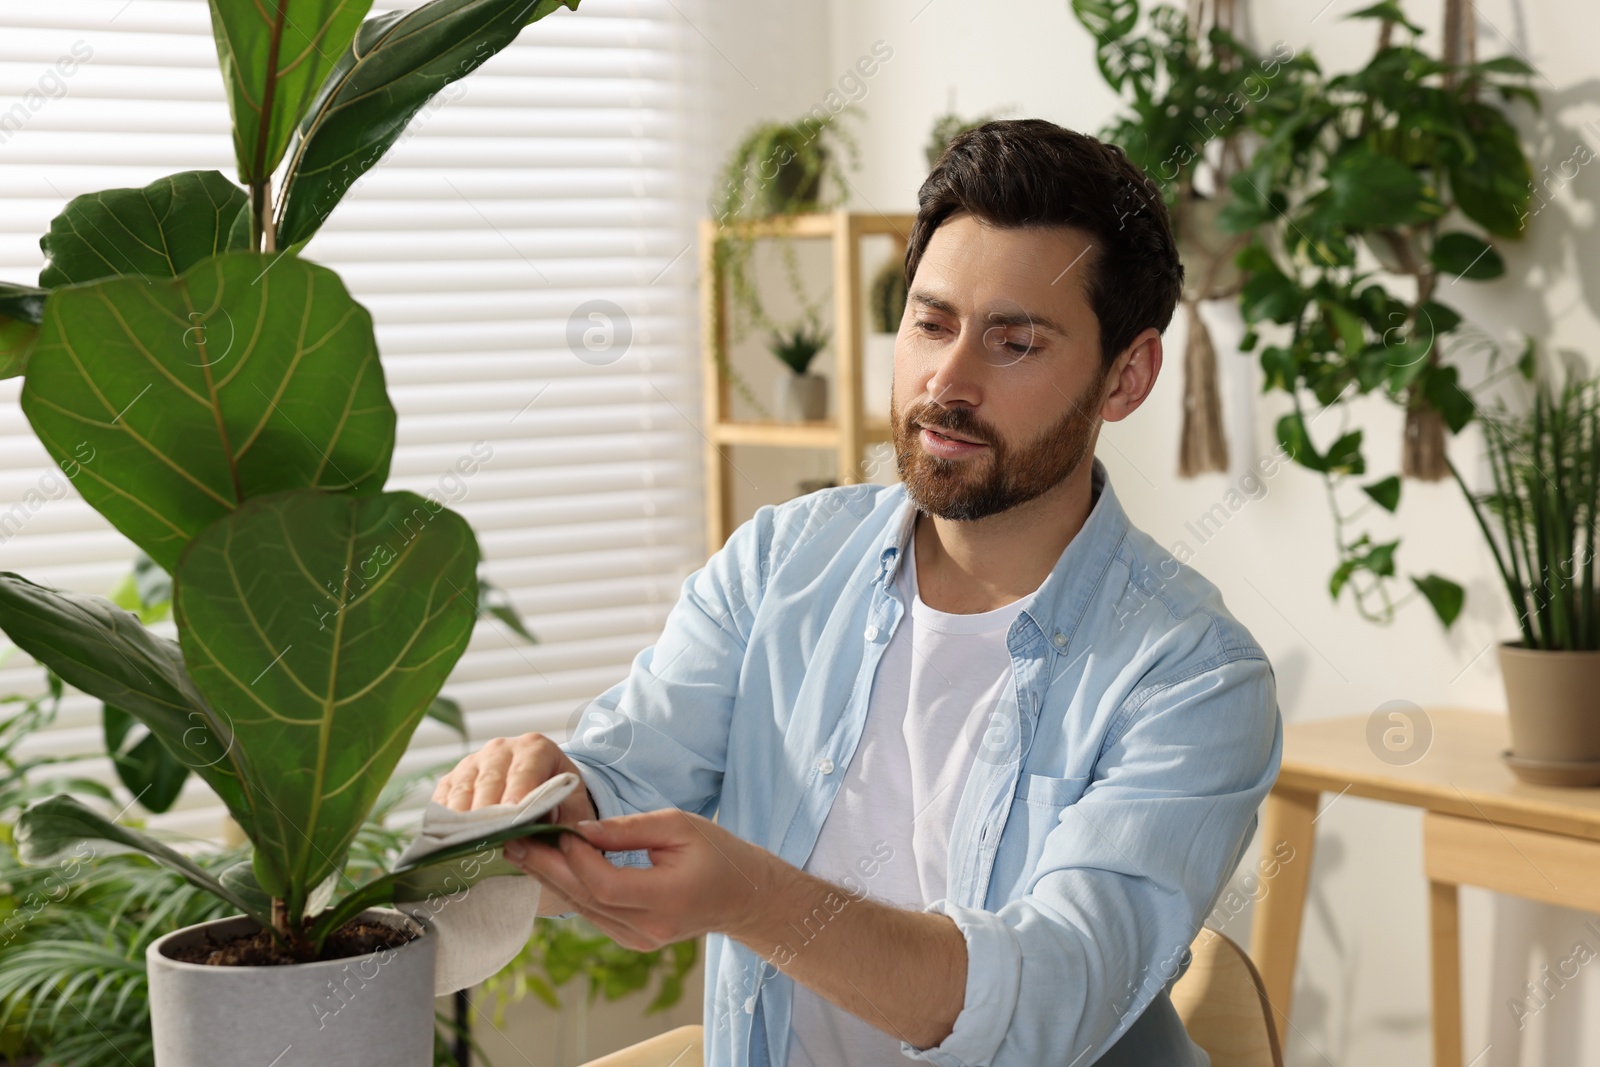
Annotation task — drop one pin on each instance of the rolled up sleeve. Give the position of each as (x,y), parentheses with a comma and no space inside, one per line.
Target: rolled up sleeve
(994,970)
(1127,877)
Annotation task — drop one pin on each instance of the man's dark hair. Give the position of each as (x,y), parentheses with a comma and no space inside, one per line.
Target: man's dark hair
(1030,172)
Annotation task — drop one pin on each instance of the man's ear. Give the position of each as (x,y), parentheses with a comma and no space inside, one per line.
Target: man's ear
(1132,376)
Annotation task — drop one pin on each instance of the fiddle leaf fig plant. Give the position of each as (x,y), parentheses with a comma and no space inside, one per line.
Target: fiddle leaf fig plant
(222,404)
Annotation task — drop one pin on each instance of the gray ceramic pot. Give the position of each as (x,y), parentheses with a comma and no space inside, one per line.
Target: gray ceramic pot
(372,1009)
(802,397)
(1554,712)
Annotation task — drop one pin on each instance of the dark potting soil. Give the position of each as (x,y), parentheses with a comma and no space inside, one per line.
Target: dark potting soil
(355,938)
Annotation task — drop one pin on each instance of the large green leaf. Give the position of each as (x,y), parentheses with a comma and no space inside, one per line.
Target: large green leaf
(325,623)
(163,229)
(275,55)
(248,374)
(101,649)
(51,828)
(396,63)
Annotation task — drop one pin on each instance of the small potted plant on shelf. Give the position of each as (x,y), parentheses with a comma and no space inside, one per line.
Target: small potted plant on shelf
(220,401)
(1540,522)
(801,395)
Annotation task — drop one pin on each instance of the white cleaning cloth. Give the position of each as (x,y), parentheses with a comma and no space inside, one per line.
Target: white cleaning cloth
(482,928)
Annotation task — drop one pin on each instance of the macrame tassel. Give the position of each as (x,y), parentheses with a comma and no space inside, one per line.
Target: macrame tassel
(1422,455)
(1203,446)
(1207,253)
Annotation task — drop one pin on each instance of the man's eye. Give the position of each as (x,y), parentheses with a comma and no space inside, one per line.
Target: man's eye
(926,326)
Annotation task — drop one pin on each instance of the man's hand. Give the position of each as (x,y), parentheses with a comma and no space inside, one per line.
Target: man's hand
(903,971)
(703,878)
(508,769)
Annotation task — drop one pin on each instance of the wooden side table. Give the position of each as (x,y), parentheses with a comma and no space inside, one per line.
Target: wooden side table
(1482,827)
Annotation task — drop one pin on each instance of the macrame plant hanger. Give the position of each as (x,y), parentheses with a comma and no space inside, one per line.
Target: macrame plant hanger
(1209,271)
(1422,452)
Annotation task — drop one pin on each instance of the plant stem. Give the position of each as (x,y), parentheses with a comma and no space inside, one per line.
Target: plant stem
(280,918)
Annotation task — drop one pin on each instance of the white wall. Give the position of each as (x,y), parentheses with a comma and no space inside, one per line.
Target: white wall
(1361,994)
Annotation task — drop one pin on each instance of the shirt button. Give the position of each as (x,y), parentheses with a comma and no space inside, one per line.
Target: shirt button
(872,633)
(825,765)
(1061,640)
(750,1005)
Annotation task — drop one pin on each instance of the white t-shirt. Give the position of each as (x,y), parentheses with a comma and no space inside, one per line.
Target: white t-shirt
(888,832)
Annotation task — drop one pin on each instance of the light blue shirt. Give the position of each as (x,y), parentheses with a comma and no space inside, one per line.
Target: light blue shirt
(1113,795)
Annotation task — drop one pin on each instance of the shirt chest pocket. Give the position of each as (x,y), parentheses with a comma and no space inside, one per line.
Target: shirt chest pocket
(1044,791)
(1036,808)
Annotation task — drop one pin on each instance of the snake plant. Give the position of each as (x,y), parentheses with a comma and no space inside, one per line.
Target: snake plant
(220,401)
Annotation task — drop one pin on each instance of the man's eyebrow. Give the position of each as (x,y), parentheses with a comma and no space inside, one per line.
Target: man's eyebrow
(1022,318)
(997,318)
(927,299)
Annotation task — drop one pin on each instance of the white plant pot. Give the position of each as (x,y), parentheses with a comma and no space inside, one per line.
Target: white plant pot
(376,1008)
(877,375)
(801,397)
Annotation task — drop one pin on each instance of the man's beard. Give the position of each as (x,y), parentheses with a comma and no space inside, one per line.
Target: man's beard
(964,490)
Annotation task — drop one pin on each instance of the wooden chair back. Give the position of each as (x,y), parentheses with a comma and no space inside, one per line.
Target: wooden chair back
(1224,1006)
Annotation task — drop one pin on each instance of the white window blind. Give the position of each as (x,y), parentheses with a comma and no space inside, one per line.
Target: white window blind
(554,175)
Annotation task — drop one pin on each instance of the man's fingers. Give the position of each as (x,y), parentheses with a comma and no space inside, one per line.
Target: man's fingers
(457,785)
(649,829)
(505,771)
(489,782)
(530,767)
(620,889)
(489,785)
(554,867)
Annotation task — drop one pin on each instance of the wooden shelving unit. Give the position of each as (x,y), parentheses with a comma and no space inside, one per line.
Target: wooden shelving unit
(849,433)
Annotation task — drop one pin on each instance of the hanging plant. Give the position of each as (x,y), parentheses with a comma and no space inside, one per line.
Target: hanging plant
(779,170)
(1192,89)
(1406,162)
(944,130)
